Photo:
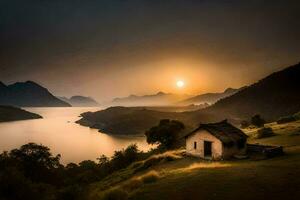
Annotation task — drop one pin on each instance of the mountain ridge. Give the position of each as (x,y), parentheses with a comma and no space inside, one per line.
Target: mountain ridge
(80,101)
(158,99)
(28,94)
(210,98)
(274,96)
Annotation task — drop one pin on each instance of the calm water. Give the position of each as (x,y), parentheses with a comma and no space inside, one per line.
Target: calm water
(58,131)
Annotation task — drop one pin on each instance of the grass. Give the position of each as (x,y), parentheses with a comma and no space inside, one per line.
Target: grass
(191,178)
(149,177)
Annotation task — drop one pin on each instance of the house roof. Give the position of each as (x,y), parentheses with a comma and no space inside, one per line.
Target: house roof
(223,130)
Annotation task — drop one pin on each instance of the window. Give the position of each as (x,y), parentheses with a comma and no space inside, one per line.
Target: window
(195,145)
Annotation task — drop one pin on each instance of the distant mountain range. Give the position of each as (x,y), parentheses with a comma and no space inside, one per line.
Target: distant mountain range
(210,98)
(80,101)
(159,99)
(28,94)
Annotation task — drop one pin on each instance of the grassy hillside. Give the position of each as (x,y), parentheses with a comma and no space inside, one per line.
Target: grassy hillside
(179,177)
(9,113)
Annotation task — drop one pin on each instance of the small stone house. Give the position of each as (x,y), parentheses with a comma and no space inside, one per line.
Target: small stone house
(216,141)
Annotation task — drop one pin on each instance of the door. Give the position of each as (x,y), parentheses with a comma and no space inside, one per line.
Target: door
(207,149)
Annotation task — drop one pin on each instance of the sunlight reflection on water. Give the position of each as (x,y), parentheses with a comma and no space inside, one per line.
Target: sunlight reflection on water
(58,131)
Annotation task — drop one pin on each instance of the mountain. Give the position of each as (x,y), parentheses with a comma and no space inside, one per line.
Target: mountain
(159,99)
(80,101)
(9,113)
(28,94)
(210,98)
(275,96)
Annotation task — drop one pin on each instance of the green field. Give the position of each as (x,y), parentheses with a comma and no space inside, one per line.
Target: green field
(191,178)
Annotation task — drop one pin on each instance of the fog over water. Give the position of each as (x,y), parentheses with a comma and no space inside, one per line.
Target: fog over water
(58,131)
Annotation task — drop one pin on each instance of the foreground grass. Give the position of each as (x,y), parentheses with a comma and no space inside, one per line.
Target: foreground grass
(191,178)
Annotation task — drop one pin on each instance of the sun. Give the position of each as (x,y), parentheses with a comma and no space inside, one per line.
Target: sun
(180,84)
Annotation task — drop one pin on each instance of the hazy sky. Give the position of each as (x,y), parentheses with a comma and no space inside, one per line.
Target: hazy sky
(109,48)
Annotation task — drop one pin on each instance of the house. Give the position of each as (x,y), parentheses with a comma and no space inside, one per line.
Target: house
(216,141)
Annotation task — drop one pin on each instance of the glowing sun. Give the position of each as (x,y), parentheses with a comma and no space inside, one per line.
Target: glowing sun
(180,84)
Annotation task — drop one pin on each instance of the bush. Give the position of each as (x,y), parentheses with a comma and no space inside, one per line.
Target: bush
(256,120)
(150,177)
(124,158)
(264,132)
(114,194)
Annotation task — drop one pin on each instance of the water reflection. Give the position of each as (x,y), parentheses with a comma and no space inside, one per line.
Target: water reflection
(58,131)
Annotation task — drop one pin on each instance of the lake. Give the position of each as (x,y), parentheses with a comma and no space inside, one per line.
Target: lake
(58,131)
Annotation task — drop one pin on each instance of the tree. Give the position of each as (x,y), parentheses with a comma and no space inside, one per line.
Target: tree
(256,120)
(36,161)
(164,133)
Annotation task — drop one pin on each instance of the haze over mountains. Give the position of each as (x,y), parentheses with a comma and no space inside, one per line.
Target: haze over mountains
(80,101)
(275,96)
(169,99)
(159,99)
(210,98)
(28,94)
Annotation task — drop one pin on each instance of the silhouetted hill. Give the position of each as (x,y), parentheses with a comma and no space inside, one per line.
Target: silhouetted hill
(123,120)
(275,96)
(134,120)
(159,99)
(80,101)
(28,94)
(210,98)
(9,113)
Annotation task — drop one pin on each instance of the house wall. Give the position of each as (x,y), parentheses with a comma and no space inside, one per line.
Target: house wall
(199,137)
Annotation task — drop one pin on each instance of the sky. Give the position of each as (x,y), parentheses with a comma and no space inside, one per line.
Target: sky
(112,48)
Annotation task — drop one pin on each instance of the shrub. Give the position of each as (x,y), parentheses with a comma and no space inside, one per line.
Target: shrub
(124,158)
(264,132)
(256,120)
(150,177)
(114,194)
